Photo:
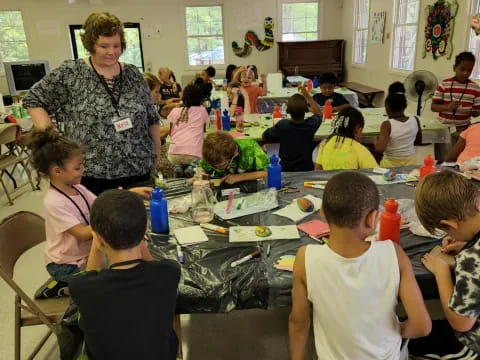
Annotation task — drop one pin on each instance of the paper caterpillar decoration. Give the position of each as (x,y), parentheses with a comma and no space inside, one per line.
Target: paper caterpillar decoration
(251,39)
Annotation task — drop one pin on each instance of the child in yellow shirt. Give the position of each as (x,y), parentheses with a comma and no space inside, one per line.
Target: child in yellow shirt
(342,150)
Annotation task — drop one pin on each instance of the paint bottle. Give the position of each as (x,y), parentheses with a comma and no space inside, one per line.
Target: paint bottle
(427,167)
(159,212)
(225,121)
(274,173)
(390,222)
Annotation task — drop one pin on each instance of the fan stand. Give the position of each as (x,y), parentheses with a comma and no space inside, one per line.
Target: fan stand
(420,88)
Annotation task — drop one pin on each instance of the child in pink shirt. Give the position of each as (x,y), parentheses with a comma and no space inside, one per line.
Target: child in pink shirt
(187,128)
(246,76)
(67,203)
(467,145)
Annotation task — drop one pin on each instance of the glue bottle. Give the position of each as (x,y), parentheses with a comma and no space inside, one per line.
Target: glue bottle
(327,110)
(274,173)
(390,222)
(427,167)
(225,121)
(159,212)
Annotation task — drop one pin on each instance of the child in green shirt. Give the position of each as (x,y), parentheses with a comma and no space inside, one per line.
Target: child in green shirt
(233,160)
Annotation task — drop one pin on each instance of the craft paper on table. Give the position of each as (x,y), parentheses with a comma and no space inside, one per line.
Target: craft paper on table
(190,235)
(315,228)
(247,205)
(285,263)
(399,179)
(237,134)
(248,233)
(293,212)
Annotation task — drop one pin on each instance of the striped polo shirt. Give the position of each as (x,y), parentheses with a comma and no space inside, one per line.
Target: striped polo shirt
(468,94)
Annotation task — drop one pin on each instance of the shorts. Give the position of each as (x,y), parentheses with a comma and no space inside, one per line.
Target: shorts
(62,272)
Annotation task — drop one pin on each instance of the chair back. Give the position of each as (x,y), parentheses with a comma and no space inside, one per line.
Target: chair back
(8,133)
(18,233)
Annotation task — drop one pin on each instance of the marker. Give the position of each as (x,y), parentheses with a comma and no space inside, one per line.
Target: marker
(216,228)
(240,203)
(181,259)
(269,247)
(245,258)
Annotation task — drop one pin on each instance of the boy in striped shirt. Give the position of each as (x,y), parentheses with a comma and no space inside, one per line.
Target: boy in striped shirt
(457,99)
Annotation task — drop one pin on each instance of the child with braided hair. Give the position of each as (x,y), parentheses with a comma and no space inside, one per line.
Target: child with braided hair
(187,127)
(342,149)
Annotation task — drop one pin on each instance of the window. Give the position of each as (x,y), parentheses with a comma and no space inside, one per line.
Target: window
(362,9)
(132,55)
(404,34)
(204,29)
(13,43)
(473,40)
(300,21)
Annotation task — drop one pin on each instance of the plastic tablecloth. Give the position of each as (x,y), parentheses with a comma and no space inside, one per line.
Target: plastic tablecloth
(209,284)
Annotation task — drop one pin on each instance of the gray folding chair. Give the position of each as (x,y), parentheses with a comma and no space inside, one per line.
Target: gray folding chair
(19,233)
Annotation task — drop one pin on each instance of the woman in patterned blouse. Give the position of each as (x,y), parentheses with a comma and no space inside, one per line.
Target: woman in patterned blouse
(105,105)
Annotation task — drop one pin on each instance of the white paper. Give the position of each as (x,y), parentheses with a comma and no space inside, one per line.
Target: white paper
(247,233)
(190,235)
(247,205)
(293,212)
(399,179)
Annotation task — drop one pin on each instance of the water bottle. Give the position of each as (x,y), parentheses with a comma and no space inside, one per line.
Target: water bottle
(225,121)
(390,222)
(213,118)
(274,173)
(427,167)
(218,119)
(283,110)
(328,110)
(159,212)
(239,119)
(315,82)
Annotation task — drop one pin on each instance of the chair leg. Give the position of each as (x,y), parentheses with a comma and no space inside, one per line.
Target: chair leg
(17,327)
(40,345)
(6,191)
(177,327)
(29,174)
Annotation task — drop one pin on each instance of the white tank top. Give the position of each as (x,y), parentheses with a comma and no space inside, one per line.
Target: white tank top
(354,301)
(402,137)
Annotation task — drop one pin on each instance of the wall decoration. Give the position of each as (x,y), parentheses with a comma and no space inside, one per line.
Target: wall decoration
(251,39)
(439,28)
(378,26)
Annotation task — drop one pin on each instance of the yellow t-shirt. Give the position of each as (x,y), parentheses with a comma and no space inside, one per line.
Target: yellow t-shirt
(344,154)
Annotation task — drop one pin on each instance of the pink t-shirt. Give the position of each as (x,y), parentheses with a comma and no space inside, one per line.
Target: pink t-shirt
(61,215)
(472,143)
(186,138)
(253,92)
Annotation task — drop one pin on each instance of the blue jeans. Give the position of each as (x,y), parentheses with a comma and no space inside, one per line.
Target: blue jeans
(61,272)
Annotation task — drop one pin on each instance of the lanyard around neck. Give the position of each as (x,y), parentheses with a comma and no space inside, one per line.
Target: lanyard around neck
(461,96)
(123,263)
(114,101)
(74,203)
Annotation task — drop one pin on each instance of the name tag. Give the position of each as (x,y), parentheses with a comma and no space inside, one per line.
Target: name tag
(122,124)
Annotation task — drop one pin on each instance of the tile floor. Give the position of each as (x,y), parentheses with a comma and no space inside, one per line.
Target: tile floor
(258,334)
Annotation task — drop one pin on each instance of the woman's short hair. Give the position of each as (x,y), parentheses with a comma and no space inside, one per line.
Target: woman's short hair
(101,24)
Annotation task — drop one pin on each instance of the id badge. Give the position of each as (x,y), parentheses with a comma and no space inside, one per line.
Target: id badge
(122,123)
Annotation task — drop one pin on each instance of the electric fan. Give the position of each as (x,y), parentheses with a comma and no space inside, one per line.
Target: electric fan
(420,85)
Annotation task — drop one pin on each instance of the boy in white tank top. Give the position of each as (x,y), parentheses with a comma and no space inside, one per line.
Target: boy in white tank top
(352,284)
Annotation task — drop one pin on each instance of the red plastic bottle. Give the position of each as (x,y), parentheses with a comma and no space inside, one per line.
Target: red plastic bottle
(327,110)
(427,167)
(390,222)
(309,85)
(218,116)
(277,115)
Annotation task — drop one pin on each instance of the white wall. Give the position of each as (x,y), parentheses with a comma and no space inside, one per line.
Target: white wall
(376,73)
(46,26)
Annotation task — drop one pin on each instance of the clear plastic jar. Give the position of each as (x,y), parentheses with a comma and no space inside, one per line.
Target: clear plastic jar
(203,202)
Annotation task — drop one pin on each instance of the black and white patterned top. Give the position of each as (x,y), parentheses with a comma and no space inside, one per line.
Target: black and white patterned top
(75,96)
(465,299)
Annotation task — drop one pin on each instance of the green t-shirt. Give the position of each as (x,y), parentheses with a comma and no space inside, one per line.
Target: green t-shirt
(251,157)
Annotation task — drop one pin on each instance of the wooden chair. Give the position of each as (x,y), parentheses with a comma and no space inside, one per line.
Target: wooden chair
(8,138)
(19,233)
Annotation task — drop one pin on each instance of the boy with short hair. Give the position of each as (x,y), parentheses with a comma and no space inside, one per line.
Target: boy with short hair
(328,81)
(353,284)
(233,160)
(296,135)
(126,310)
(204,80)
(448,201)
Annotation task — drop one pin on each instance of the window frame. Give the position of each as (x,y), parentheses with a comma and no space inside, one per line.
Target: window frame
(196,67)
(473,9)
(127,25)
(358,29)
(395,25)
(280,16)
(2,70)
